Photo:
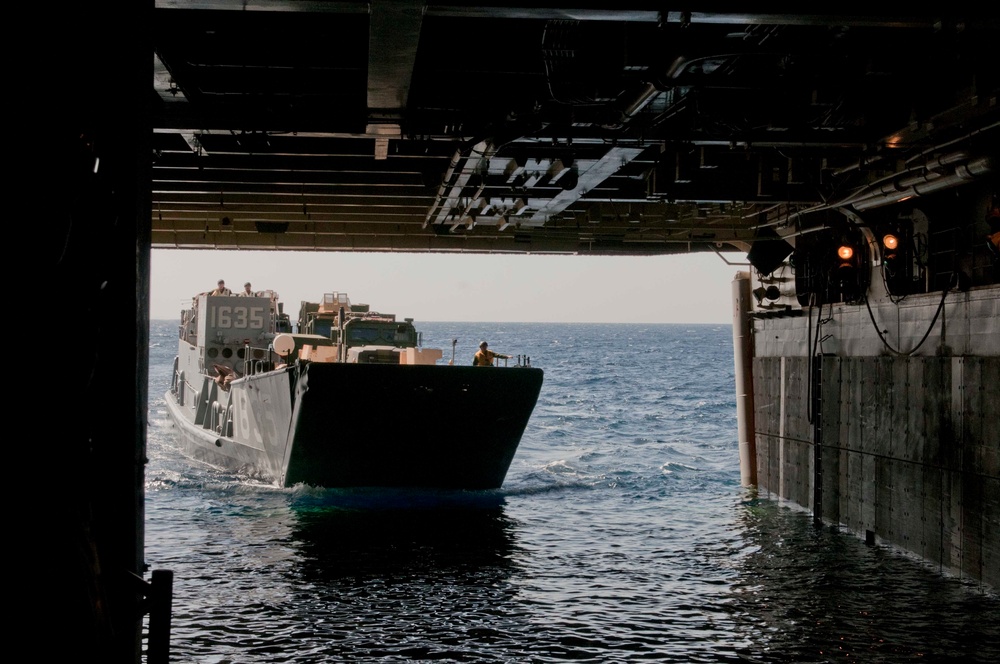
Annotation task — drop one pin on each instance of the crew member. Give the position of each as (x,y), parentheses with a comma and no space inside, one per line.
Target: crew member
(246,292)
(221,289)
(484,357)
(224,376)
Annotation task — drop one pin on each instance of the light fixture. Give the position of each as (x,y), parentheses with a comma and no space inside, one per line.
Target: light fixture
(768,251)
(848,278)
(897,259)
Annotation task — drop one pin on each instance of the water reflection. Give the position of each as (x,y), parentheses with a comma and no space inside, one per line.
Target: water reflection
(403,574)
(388,534)
(808,594)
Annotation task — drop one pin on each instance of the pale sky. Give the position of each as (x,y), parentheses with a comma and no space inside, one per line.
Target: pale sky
(689,288)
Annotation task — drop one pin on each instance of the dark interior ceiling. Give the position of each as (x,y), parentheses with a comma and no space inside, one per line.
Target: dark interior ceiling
(616,129)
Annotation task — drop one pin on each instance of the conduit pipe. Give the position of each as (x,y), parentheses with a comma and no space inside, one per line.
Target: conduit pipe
(893,189)
(947,171)
(743,356)
(926,184)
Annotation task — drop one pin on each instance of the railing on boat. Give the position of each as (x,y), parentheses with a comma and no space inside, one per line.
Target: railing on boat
(257,364)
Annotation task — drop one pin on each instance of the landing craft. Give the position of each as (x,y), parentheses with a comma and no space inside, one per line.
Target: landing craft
(352,399)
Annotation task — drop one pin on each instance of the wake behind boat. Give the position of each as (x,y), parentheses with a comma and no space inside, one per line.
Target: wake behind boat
(352,399)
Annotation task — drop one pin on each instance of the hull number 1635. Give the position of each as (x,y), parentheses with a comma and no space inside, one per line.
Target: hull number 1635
(237,317)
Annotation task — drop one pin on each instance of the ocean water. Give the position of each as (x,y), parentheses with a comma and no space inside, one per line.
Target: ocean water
(621,534)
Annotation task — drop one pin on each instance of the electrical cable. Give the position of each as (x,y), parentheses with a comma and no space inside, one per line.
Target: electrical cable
(940,308)
(812,352)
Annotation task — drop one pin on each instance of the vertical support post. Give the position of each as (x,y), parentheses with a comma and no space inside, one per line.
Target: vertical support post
(340,336)
(817,406)
(743,357)
(161,597)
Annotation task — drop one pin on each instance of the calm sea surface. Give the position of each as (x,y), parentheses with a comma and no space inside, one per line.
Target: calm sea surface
(620,535)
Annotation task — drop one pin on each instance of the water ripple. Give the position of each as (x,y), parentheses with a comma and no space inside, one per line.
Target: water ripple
(620,535)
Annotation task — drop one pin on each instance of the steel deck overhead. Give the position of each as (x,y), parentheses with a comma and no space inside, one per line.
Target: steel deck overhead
(615,129)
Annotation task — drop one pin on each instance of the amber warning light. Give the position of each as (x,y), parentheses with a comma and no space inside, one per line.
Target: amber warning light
(845,252)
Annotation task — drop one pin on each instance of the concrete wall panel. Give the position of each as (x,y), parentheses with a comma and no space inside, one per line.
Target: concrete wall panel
(982,411)
(878,398)
(869,494)
(852,502)
(767,398)
(798,432)
(951,520)
(912,404)
(834,482)
(932,512)
(884,478)
(910,451)
(883,472)
(907,507)
(990,547)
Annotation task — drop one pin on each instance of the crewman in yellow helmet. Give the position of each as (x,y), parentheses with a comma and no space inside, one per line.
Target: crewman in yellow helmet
(484,357)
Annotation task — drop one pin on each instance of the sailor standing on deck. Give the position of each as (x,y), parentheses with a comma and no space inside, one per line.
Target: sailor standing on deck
(221,289)
(246,292)
(484,357)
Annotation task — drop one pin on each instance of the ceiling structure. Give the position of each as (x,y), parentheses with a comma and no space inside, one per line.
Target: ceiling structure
(617,129)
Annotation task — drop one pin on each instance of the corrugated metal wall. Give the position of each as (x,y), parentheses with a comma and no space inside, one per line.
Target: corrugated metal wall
(907,451)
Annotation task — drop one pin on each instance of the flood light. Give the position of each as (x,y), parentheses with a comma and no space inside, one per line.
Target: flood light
(848,277)
(899,272)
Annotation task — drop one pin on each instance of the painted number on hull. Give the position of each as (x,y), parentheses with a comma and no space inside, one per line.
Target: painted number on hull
(229,317)
(246,429)
(256,424)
